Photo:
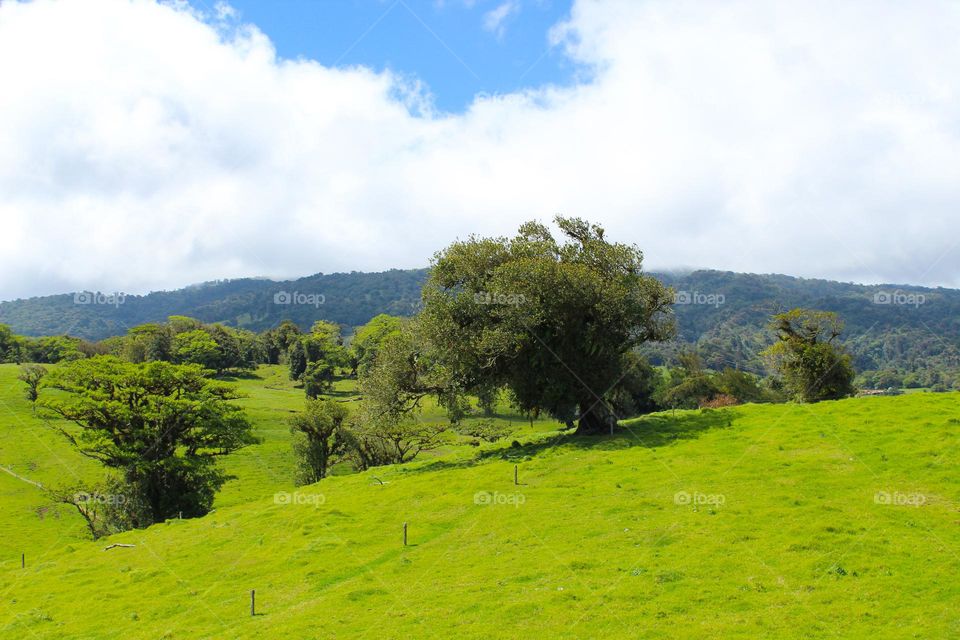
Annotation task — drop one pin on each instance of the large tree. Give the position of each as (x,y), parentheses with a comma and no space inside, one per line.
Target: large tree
(807,355)
(160,425)
(550,321)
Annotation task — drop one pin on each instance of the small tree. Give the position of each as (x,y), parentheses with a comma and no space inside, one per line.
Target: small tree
(806,355)
(319,438)
(324,351)
(297,356)
(8,345)
(150,341)
(692,392)
(318,378)
(364,450)
(31,375)
(688,386)
(160,425)
(196,347)
(397,440)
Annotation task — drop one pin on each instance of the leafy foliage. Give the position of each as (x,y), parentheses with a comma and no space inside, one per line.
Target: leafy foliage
(368,339)
(320,437)
(160,425)
(813,367)
(549,321)
(31,375)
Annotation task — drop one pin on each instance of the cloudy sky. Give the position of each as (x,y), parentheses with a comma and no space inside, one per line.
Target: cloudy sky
(150,145)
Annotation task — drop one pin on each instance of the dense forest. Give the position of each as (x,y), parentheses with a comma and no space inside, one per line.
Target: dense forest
(898,335)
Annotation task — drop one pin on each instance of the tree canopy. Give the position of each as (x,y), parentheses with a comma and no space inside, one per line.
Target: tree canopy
(160,425)
(550,321)
(813,366)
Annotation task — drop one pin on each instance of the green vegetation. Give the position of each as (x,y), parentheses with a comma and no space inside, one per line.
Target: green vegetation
(913,345)
(549,321)
(349,299)
(786,521)
(813,367)
(31,375)
(316,357)
(368,339)
(419,477)
(320,436)
(691,386)
(159,426)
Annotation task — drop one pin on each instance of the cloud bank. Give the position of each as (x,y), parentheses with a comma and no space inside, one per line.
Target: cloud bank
(147,146)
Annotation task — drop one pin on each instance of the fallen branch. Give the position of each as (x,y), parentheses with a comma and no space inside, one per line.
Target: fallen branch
(117,544)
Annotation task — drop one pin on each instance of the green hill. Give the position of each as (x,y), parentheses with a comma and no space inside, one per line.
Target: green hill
(780,521)
(900,327)
(346,298)
(913,330)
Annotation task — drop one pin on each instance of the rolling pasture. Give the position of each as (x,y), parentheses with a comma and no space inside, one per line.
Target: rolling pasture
(838,519)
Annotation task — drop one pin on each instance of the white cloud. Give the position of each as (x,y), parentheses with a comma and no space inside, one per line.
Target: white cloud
(495,19)
(141,147)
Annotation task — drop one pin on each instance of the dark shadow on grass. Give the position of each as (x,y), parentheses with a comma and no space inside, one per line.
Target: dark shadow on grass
(338,393)
(649,432)
(663,429)
(233,376)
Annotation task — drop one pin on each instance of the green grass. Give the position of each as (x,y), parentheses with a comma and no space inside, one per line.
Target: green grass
(791,537)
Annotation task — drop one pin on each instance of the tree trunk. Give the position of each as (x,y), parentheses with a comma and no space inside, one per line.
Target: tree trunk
(598,420)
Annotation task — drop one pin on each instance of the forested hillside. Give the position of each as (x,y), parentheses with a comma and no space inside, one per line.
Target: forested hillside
(888,327)
(894,327)
(250,303)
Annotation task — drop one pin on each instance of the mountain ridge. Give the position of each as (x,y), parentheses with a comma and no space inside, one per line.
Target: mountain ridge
(723,314)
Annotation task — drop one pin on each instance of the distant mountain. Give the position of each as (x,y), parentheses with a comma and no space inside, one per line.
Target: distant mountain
(725,314)
(887,326)
(252,303)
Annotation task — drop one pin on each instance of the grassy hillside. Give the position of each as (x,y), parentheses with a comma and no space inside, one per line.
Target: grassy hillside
(833,520)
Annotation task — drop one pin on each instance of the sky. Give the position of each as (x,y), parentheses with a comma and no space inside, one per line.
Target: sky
(147,145)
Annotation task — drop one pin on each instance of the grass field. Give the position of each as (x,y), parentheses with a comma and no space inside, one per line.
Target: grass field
(833,520)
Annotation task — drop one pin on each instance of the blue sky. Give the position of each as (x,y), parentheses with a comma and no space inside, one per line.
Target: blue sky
(458,48)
